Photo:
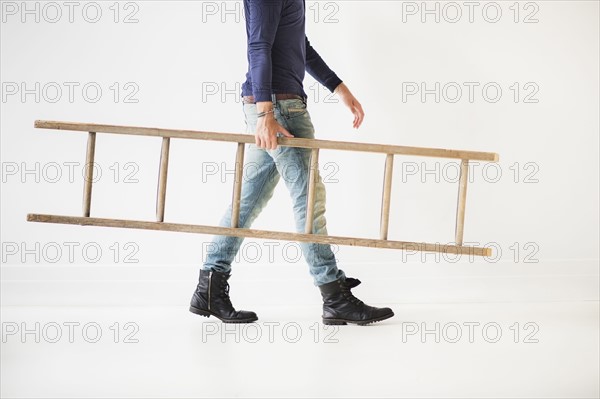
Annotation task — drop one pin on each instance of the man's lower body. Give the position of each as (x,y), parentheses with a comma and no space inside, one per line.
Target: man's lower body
(263,169)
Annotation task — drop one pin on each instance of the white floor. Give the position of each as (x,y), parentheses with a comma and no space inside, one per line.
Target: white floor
(289,353)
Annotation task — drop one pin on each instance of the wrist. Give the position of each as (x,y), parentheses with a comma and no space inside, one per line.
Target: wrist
(340,88)
(266,119)
(264,106)
(265,114)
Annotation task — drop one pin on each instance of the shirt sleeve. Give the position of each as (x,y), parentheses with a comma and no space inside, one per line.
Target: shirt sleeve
(318,69)
(262,21)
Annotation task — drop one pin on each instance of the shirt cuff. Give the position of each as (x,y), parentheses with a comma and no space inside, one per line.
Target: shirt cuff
(332,83)
(262,95)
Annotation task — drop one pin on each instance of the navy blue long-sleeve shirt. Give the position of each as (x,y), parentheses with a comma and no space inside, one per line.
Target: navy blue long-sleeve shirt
(279,52)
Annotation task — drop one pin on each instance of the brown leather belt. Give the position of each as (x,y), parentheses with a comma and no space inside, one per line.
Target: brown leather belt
(278,96)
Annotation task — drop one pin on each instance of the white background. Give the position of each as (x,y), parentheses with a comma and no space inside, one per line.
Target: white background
(542,208)
(540,215)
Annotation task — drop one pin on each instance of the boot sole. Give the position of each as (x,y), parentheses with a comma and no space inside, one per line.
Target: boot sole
(208,313)
(343,322)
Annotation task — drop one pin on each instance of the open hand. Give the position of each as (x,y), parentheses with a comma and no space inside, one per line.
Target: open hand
(352,103)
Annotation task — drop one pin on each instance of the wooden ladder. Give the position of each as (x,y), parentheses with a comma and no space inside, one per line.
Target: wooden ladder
(456,247)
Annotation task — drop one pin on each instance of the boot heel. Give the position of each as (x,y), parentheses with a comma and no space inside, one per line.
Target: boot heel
(199,311)
(334,322)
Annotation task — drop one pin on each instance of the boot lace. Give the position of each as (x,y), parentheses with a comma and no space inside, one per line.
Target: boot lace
(350,297)
(225,293)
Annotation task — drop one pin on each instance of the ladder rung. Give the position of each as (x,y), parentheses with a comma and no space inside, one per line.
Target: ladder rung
(161,190)
(89,173)
(386,197)
(312,181)
(237,185)
(461,202)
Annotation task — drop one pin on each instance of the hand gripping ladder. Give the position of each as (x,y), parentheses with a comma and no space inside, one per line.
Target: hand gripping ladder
(456,247)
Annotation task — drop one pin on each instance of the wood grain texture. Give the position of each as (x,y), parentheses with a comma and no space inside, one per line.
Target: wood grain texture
(89,173)
(386,197)
(261,234)
(161,190)
(461,202)
(237,185)
(289,142)
(310,197)
(242,139)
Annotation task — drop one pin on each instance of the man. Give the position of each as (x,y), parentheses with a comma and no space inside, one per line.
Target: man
(274,103)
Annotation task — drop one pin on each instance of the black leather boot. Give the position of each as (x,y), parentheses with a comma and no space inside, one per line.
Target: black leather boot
(352,282)
(340,307)
(212,299)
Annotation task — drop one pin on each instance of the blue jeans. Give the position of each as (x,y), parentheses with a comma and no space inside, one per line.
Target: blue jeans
(262,171)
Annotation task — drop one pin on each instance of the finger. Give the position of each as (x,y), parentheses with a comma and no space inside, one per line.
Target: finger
(257,141)
(361,114)
(271,142)
(354,113)
(284,131)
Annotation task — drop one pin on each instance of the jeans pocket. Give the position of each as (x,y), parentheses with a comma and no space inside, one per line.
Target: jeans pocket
(296,108)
